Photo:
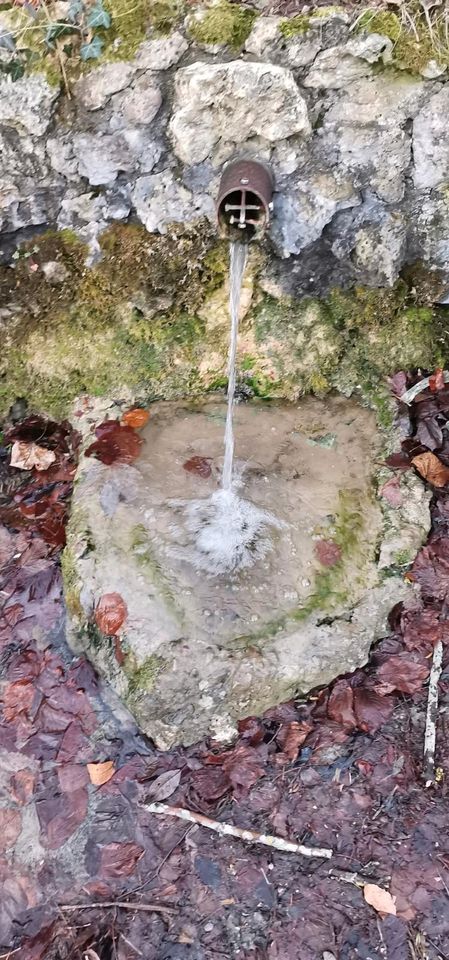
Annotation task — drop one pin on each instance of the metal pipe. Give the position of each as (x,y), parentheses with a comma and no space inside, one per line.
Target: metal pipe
(244,200)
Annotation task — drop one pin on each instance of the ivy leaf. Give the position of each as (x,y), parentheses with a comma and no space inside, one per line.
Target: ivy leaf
(99,17)
(92,50)
(74,11)
(56,30)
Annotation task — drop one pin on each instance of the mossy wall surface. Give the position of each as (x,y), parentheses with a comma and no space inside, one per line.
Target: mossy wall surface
(151,320)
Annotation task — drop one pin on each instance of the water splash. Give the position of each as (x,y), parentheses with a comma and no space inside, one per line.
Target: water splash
(238,257)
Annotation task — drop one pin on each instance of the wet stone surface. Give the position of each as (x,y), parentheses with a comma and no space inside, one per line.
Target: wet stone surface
(232,605)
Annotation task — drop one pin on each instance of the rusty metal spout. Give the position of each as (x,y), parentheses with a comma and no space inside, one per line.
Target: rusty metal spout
(244,200)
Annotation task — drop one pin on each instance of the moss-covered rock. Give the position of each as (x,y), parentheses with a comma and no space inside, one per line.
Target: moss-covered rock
(417,39)
(223,23)
(151,319)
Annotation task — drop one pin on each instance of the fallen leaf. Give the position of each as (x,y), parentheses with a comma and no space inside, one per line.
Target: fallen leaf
(398,461)
(431,469)
(100,773)
(111,613)
(436,381)
(199,465)
(136,418)
(340,705)
(210,783)
(29,456)
(291,736)
(405,675)
(391,492)
(114,443)
(119,859)
(327,552)
(380,899)
(164,785)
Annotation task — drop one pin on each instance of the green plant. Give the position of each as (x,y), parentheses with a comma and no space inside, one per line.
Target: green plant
(225,23)
(39,35)
(418,32)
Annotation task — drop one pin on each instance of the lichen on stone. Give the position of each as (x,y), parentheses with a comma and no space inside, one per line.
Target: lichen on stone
(223,23)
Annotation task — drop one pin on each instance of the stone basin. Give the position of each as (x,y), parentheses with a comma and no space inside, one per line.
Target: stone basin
(203,647)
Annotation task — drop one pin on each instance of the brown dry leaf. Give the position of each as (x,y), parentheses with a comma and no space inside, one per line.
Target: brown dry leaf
(431,468)
(164,785)
(100,773)
(380,899)
(26,456)
(136,418)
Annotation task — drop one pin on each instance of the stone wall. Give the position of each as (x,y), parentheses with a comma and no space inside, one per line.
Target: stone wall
(360,157)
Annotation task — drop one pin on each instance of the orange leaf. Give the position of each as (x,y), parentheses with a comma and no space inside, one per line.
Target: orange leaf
(111,613)
(100,773)
(431,468)
(136,418)
(436,381)
(380,899)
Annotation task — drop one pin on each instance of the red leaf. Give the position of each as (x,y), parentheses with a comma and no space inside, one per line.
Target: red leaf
(340,705)
(210,783)
(199,465)
(402,674)
(119,859)
(114,443)
(398,461)
(136,418)
(111,613)
(252,730)
(327,552)
(243,767)
(371,710)
(436,381)
(391,492)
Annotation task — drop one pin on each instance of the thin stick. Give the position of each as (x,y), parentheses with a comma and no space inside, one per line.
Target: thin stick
(410,395)
(431,716)
(123,904)
(229,830)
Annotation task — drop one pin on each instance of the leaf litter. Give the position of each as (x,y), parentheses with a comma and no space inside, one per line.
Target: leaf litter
(340,769)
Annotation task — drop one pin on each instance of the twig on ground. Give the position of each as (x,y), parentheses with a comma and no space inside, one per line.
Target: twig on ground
(431,715)
(409,395)
(122,904)
(229,830)
(348,876)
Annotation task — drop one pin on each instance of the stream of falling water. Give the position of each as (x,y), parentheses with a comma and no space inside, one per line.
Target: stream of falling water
(238,257)
(226,532)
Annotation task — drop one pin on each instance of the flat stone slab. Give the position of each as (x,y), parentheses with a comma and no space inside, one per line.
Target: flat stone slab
(234,607)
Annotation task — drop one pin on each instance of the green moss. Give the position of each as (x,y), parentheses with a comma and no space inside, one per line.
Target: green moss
(403,558)
(416,39)
(71,584)
(295,26)
(224,23)
(142,679)
(132,320)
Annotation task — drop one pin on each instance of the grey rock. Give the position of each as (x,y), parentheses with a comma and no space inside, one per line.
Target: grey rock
(27,105)
(138,104)
(372,48)
(55,272)
(160,200)
(430,142)
(224,105)
(335,68)
(364,131)
(94,90)
(303,210)
(161,53)
(101,157)
(433,69)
